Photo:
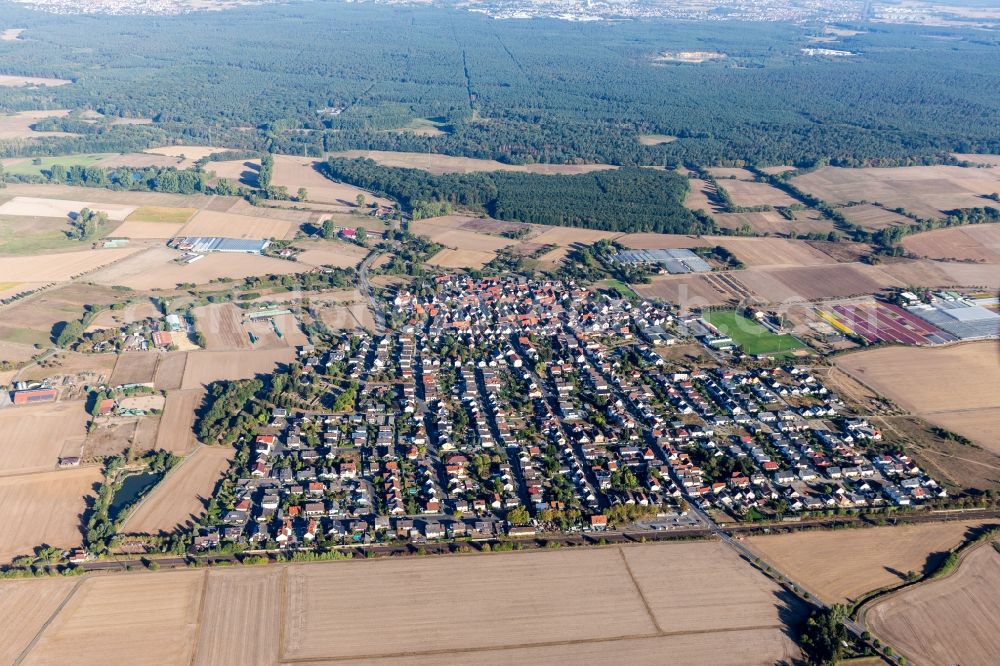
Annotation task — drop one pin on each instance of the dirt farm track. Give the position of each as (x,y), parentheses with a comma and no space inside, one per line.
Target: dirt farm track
(571,606)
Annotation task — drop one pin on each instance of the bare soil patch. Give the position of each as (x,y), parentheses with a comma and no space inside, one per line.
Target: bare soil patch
(815,282)
(181,497)
(44,508)
(951,620)
(842,565)
(120,435)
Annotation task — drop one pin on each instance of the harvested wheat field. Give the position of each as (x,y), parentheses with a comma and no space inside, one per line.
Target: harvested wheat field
(241,614)
(980,242)
(122,619)
(448,258)
(732,648)
(59,266)
(134,368)
(188,154)
(569,235)
(205,367)
(222,326)
(958,385)
(579,595)
(731,174)
(44,508)
(874,218)
(35,436)
(11,81)
(654,241)
(923,190)
(983,276)
(978,158)
(182,495)
(295,172)
(842,565)
(18,125)
(25,606)
(170,371)
(156,268)
(441,164)
(952,620)
(228,225)
(61,208)
(701,195)
(330,253)
(451,237)
(751,193)
(16,353)
(176,433)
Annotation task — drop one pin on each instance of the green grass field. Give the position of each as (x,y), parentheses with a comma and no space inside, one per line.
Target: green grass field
(162,214)
(751,336)
(27,168)
(623,289)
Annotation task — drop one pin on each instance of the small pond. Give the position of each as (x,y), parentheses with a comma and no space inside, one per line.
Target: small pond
(132,488)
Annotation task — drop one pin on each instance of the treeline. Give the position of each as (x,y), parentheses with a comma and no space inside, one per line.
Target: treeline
(627,199)
(228,415)
(147,179)
(516,91)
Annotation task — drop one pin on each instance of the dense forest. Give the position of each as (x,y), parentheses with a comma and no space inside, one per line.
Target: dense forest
(318,76)
(627,199)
